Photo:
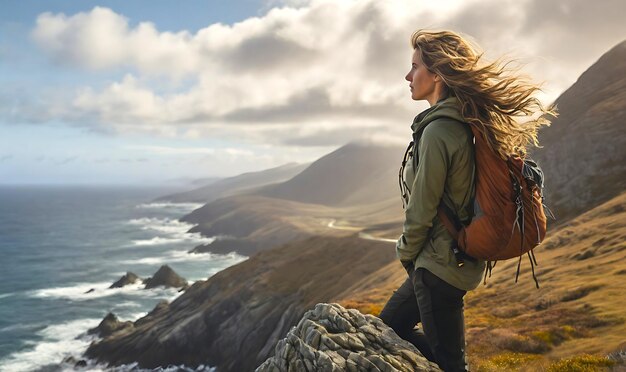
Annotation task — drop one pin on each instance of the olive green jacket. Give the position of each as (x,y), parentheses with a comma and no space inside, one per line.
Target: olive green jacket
(445,171)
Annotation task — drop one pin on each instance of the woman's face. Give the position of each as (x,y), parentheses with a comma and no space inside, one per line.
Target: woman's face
(423,83)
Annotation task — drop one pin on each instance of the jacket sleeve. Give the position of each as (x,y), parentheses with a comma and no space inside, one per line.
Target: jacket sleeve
(426,191)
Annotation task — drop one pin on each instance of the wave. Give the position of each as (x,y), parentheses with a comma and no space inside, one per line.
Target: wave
(221,260)
(169,225)
(175,232)
(58,341)
(182,238)
(132,317)
(168,205)
(5,295)
(78,292)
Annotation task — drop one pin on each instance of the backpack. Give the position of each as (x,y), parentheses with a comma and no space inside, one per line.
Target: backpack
(509,218)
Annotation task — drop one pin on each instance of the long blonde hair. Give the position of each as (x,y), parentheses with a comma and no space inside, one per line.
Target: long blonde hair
(491,95)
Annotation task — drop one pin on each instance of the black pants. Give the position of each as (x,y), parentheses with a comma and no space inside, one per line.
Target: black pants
(425,298)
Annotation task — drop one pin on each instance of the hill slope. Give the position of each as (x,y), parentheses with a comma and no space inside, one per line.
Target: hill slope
(585,147)
(351,175)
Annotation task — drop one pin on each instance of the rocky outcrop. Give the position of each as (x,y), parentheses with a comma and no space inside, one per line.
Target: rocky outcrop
(129,278)
(234,319)
(332,338)
(109,325)
(166,277)
(159,308)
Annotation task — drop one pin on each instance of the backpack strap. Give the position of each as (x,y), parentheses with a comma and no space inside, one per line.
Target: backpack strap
(449,220)
(454,226)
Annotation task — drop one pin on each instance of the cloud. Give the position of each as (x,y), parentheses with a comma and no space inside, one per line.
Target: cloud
(4,158)
(103,39)
(307,73)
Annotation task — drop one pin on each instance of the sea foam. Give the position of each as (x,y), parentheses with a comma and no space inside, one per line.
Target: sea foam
(58,341)
(78,291)
(173,231)
(177,206)
(220,261)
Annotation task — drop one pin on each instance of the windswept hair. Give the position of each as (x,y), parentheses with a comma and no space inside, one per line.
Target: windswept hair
(492,95)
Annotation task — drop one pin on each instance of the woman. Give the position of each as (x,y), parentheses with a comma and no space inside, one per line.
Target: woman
(446,71)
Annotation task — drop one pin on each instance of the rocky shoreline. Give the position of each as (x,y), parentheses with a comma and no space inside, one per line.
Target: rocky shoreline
(234,319)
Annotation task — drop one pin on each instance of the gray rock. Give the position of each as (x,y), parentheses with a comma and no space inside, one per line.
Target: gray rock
(109,325)
(129,278)
(332,338)
(167,277)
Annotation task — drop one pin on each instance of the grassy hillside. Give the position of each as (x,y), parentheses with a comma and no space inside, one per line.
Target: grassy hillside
(579,309)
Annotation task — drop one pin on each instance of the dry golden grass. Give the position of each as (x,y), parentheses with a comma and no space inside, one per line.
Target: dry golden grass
(575,319)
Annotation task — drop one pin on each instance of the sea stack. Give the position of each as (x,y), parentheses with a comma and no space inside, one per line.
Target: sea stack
(109,325)
(129,278)
(166,277)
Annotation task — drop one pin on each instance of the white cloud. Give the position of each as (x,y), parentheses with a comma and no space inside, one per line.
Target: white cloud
(317,72)
(102,39)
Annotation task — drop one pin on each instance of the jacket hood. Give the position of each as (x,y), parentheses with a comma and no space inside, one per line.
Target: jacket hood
(444,108)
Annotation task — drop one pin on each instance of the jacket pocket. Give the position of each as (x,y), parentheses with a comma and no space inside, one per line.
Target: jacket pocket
(441,243)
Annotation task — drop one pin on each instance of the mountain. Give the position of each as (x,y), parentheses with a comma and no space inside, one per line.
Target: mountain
(354,174)
(585,147)
(233,185)
(357,182)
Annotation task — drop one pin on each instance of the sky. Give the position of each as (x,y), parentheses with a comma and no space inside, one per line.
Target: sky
(153,91)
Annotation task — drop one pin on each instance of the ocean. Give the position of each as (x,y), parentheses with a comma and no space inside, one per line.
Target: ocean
(59,242)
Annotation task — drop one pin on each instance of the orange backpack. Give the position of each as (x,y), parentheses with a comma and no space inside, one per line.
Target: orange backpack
(509,218)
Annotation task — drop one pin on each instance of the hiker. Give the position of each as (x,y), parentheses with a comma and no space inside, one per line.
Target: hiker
(438,171)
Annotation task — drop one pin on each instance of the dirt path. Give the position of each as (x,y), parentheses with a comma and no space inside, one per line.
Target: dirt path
(362,235)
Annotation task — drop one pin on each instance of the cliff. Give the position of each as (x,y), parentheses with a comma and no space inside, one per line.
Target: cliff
(235,318)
